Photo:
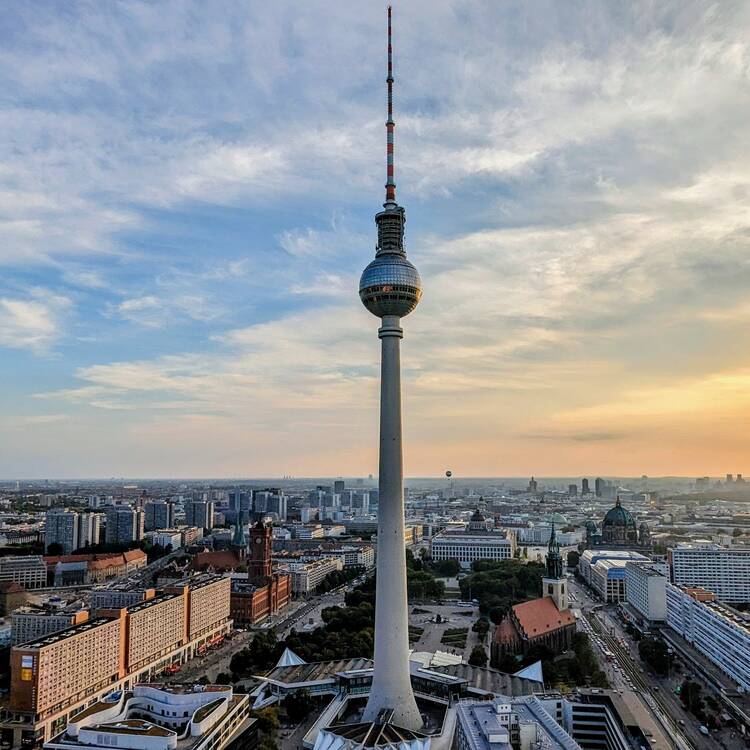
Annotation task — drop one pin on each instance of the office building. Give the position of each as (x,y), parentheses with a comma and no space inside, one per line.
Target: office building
(28,571)
(506,723)
(646,592)
(124,525)
(475,542)
(76,570)
(158,515)
(585,487)
(718,631)
(200,513)
(724,571)
(162,717)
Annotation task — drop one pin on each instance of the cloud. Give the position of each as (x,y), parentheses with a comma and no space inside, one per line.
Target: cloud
(576,186)
(33,322)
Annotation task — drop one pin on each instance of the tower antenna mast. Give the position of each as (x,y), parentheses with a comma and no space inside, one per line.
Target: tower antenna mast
(390,125)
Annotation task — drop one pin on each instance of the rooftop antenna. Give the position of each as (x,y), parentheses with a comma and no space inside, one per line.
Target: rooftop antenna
(390,185)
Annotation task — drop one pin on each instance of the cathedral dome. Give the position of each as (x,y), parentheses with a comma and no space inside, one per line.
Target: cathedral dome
(619,517)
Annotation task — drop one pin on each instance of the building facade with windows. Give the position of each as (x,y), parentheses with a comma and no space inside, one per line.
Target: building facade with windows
(718,631)
(723,570)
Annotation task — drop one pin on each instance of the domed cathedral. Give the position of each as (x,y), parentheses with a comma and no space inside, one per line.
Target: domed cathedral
(618,530)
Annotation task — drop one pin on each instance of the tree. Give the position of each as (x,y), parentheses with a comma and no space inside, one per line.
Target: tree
(573,558)
(55,549)
(298,706)
(223,678)
(654,653)
(448,568)
(478,657)
(737,532)
(481,628)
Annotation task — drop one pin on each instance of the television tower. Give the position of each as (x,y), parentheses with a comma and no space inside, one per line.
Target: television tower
(390,288)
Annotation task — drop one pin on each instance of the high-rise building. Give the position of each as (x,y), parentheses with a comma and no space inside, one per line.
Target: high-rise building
(573,490)
(241,501)
(599,485)
(390,288)
(338,487)
(585,487)
(645,591)
(272,502)
(61,528)
(124,525)
(200,513)
(158,515)
(723,570)
(89,528)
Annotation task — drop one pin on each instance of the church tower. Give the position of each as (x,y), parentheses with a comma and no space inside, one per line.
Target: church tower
(554,583)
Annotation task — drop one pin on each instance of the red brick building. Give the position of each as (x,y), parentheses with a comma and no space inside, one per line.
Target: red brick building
(264,592)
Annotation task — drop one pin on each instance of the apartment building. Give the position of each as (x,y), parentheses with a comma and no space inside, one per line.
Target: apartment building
(209,603)
(718,631)
(61,530)
(158,515)
(61,674)
(65,668)
(124,525)
(723,570)
(33,623)
(309,573)
(645,591)
(28,571)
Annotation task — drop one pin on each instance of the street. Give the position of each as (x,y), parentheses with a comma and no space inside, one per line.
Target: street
(626,671)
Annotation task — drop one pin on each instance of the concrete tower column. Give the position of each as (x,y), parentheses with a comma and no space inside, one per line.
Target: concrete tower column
(391,687)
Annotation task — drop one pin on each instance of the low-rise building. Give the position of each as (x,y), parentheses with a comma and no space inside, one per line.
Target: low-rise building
(12,596)
(476,542)
(162,717)
(28,571)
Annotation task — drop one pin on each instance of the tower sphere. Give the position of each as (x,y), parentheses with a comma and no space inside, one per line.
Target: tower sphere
(390,285)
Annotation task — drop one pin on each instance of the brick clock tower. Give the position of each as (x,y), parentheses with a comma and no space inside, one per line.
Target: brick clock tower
(259,568)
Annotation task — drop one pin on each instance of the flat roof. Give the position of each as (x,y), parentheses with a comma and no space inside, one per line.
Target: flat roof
(61,635)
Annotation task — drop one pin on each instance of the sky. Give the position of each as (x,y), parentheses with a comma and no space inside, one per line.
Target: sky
(187,192)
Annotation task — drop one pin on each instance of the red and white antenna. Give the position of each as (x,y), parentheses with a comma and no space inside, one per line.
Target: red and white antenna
(390,185)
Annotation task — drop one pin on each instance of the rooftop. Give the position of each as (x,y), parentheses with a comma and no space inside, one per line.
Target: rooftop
(316,671)
(61,635)
(541,616)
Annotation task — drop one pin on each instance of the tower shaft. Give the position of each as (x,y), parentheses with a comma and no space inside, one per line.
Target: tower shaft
(391,685)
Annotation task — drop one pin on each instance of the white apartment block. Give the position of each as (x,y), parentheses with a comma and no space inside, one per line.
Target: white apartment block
(468,546)
(724,571)
(645,591)
(308,574)
(718,631)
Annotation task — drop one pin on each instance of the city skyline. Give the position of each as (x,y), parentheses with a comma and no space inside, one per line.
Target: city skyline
(186,204)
